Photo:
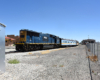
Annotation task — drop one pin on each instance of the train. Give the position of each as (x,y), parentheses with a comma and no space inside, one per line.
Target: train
(69,43)
(32,40)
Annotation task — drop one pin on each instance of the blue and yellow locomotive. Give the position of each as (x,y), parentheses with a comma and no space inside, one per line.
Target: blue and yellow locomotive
(31,40)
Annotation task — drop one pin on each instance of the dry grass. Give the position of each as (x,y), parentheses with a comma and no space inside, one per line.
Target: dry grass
(61,65)
(56,49)
(89,50)
(93,58)
(54,65)
(74,54)
(29,53)
(92,71)
(61,48)
(37,56)
(45,52)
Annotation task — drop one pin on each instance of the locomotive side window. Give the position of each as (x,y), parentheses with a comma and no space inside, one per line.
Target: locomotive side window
(32,33)
(21,36)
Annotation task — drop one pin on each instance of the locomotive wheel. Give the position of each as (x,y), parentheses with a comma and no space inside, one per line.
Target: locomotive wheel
(17,48)
(41,47)
(38,47)
(24,48)
(29,48)
(34,48)
(54,46)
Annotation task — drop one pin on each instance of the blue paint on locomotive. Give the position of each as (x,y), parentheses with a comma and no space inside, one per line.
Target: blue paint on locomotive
(42,38)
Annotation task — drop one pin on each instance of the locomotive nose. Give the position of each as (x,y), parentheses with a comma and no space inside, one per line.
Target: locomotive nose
(22,36)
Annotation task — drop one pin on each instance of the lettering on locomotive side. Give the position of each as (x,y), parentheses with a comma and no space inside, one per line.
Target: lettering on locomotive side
(45,38)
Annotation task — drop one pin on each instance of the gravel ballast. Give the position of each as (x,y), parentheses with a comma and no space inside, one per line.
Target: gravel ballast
(64,64)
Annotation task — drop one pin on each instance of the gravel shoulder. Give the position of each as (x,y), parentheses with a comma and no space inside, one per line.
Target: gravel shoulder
(56,64)
(9,47)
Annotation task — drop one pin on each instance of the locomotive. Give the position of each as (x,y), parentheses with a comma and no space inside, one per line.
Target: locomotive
(31,40)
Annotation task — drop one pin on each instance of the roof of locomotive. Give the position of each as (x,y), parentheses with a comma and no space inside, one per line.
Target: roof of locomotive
(28,30)
(39,32)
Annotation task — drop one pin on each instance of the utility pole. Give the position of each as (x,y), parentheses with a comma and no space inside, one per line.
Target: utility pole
(88,36)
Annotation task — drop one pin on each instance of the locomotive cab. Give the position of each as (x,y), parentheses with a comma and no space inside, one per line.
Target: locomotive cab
(22,36)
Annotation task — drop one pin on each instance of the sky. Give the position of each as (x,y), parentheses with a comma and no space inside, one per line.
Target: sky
(69,19)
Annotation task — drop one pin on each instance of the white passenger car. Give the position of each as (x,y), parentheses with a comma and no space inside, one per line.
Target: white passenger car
(67,42)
